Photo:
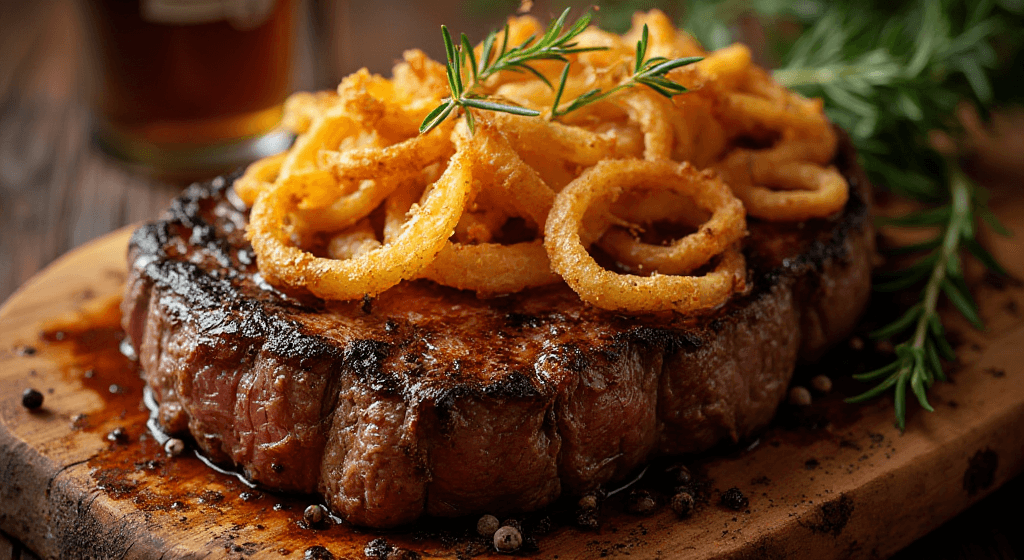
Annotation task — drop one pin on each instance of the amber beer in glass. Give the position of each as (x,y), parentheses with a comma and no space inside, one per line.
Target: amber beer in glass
(186,87)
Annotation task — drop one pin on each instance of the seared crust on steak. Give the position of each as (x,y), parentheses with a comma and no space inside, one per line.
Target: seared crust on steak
(428,400)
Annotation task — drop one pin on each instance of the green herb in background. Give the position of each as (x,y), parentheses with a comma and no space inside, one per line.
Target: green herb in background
(890,77)
(889,73)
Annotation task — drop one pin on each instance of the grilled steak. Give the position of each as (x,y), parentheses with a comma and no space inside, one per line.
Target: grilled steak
(428,400)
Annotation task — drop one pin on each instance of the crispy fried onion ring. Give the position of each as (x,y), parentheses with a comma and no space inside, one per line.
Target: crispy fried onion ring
(518,202)
(600,186)
(377,172)
(725,227)
(493,268)
(421,238)
(802,189)
(258,177)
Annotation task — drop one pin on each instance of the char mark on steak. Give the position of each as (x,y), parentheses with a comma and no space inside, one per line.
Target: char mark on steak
(438,402)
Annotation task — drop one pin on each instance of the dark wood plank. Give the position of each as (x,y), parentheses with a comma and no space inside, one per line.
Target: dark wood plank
(57,191)
(871,492)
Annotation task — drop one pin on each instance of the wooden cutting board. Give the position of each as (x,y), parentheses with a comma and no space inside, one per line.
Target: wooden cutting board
(829,481)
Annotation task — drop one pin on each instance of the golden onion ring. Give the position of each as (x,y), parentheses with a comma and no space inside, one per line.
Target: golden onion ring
(353,242)
(601,185)
(725,227)
(325,133)
(492,268)
(378,172)
(572,143)
(518,183)
(258,177)
(358,152)
(653,113)
(419,241)
(803,189)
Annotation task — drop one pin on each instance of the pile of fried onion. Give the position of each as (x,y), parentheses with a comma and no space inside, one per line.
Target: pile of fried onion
(362,201)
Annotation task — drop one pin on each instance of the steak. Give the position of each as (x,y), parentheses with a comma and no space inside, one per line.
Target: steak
(429,400)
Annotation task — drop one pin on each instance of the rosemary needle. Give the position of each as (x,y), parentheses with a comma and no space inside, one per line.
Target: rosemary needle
(466,73)
(889,76)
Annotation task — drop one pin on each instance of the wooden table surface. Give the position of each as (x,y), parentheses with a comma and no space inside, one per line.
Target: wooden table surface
(58,191)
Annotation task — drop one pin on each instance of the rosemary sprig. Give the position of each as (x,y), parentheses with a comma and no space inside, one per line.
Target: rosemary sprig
(646,71)
(889,78)
(556,44)
(918,361)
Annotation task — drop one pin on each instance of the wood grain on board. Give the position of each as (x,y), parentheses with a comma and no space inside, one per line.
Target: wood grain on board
(57,191)
(852,488)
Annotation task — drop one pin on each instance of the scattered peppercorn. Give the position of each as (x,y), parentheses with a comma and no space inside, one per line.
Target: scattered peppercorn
(541,527)
(588,501)
(682,504)
(174,447)
(31,399)
(799,396)
(314,514)
(587,519)
(487,525)
(856,343)
(679,475)
(507,539)
(587,508)
(377,549)
(734,499)
(884,347)
(641,502)
(317,553)
(822,384)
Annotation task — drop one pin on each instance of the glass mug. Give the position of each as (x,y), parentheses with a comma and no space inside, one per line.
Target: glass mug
(190,87)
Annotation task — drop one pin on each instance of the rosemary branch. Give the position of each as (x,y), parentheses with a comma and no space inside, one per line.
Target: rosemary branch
(889,76)
(649,72)
(918,360)
(555,44)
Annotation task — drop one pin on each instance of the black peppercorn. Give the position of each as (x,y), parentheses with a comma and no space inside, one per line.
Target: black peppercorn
(508,539)
(587,519)
(487,525)
(314,515)
(317,553)
(31,399)
(641,502)
(588,501)
(682,504)
(734,499)
(377,549)
(679,475)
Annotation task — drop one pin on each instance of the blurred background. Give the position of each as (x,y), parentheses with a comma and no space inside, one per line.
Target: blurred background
(95,94)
